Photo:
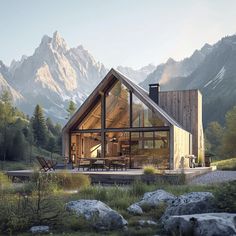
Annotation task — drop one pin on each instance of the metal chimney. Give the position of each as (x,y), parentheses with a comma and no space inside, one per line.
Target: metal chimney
(154,92)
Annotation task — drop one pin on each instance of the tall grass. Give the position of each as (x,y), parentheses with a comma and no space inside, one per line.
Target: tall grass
(227,164)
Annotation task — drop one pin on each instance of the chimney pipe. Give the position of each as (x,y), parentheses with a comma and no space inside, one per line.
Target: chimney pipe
(154,92)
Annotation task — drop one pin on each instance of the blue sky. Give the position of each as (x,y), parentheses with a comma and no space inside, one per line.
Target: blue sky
(116,32)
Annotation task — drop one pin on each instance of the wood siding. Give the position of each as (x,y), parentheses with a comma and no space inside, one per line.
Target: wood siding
(186,108)
(181,147)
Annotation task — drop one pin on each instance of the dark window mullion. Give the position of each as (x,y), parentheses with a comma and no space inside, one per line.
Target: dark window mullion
(103,126)
(131,109)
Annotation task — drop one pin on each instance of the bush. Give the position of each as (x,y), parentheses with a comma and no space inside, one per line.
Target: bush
(225,197)
(5,183)
(72,181)
(149,170)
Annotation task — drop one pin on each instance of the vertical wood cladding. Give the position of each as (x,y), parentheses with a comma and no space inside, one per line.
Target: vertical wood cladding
(186,108)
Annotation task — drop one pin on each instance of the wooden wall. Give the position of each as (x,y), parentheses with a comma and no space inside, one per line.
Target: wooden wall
(181,147)
(186,108)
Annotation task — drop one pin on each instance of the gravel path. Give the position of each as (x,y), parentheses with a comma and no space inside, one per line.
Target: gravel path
(214,177)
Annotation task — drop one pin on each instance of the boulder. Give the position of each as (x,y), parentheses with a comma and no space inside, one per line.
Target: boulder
(97,214)
(147,223)
(207,224)
(135,209)
(40,229)
(151,199)
(190,203)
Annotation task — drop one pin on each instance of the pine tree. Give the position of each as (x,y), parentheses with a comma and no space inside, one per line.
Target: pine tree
(50,126)
(51,145)
(71,109)
(39,127)
(19,150)
(214,133)
(229,137)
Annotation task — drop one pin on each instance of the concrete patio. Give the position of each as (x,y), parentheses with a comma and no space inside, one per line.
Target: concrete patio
(122,176)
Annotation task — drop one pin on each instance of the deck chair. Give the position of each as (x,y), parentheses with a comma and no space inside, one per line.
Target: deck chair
(46,165)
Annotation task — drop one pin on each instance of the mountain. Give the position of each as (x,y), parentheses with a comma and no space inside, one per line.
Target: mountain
(164,73)
(53,75)
(215,77)
(5,86)
(137,75)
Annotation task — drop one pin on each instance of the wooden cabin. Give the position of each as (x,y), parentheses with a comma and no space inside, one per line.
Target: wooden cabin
(120,119)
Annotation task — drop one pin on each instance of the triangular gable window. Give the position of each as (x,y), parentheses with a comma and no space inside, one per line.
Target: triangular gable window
(118,107)
(93,118)
(142,116)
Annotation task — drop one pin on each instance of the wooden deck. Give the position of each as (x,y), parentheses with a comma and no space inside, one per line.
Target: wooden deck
(124,177)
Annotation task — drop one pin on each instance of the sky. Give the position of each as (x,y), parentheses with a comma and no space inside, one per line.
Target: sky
(116,32)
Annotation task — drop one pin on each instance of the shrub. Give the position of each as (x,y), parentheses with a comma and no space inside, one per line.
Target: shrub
(5,183)
(225,197)
(149,170)
(72,181)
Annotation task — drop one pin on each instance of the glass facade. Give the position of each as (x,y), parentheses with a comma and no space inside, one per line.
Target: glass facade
(93,118)
(86,145)
(125,133)
(117,107)
(142,116)
(117,144)
(150,148)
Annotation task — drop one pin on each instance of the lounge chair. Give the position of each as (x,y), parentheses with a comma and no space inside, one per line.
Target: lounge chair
(46,165)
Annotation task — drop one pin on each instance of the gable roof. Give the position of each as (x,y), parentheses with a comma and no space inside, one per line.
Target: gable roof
(136,89)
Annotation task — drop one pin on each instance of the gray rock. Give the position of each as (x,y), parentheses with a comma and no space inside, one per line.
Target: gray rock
(147,223)
(40,229)
(207,224)
(190,203)
(135,209)
(151,199)
(97,214)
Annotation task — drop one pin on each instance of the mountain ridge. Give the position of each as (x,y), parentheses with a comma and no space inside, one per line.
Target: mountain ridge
(55,74)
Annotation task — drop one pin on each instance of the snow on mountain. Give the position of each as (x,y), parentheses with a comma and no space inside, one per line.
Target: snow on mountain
(54,74)
(137,75)
(215,77)
(164,73)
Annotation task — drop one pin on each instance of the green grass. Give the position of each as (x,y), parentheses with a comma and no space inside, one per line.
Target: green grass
(227,164)
(117,197)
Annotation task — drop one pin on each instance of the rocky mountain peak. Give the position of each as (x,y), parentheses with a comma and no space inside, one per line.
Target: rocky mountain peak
(58,43)
(170,61)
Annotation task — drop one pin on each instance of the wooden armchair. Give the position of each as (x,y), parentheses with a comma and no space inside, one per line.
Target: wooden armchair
(46,165)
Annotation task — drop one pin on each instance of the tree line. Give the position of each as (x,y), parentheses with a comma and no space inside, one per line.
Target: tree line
(221,140)
(19,133)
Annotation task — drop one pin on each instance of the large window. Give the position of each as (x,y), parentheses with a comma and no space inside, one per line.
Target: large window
(142,116)
(150,148)
(122,136)
(86,145)
(117,144)
(117,107)
(93,118)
